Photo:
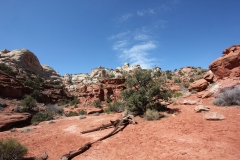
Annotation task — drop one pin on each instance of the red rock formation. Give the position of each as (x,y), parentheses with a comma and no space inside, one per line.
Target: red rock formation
(107,87)
(228,65)
(198,85)
(9,120)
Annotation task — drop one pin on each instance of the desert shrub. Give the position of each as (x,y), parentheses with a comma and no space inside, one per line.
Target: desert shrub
(97,103)
(151,115)
(29,103)
(108,100)
(228,96)
(180,72)
(111,75)
(63,102)
(177,94)
(30,83)
(37,95)
(191,80)
(74,101)
(82,112)
(6,69)
(38,79)
(114,107)
(42,116)
(11,149)
(54,108)
(142,92)
(177,80)
(72,113)
(186,84)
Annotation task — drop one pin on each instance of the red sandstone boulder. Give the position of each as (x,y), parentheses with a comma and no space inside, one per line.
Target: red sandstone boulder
(209,76)
(9,120)
(198,85)
(228,65)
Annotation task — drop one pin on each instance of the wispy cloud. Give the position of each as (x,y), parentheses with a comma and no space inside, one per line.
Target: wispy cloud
(145,12)
(120,35)
(135,47)
(125,17)
(138,44)
(139,54)
(141,37)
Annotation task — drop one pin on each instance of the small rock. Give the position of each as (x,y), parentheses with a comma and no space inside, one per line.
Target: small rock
(201,108)
(190,102)
(82,116)
(214,116)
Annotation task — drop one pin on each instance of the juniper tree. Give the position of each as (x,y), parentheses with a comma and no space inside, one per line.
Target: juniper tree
(143,92)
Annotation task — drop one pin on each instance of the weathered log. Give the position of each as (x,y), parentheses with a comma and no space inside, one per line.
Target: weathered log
(73,154)
(119,122)
(104,126)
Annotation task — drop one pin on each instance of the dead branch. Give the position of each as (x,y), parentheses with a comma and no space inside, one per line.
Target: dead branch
(73,154)
(117,127)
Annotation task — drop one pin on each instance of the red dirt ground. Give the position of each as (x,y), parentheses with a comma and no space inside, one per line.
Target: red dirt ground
(186,135)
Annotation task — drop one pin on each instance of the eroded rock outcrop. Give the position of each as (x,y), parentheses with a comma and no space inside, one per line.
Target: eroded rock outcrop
(9,120)
(228,65)
(198,85)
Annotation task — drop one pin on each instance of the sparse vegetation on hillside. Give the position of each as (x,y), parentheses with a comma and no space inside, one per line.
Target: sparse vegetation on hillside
(151,115)
(114,107)
(29,103)
(42,116)
(11,149)
(72,113)
(97,103)
(228,96)
(6,69)
(142,92)
(75,101)
(177,94)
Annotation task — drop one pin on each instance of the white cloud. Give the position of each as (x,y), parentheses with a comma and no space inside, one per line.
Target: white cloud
(119,45)
(145,12)
(139,54)
(120,35)
(141,37)
(125,17)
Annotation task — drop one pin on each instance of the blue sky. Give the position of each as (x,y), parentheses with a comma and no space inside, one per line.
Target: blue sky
(75,36)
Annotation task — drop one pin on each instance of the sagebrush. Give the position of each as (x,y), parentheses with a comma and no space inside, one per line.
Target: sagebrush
(11,149)
(228,96)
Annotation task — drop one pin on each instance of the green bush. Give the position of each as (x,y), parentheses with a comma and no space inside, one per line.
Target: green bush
(151,115)
(114,107)
(82,112)
(142,92)
(186,84)
(11,149)
(6,69)
(97,103)
(177,94)
(29,103)
(177,80)
(191,80)
(31,84)
(72,113)
(42,116)
(74,101)
(228,96)
(108,100)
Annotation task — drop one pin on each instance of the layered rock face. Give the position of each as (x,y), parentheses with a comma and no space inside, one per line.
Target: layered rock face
(25,67)
(10,120)
(228,65)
